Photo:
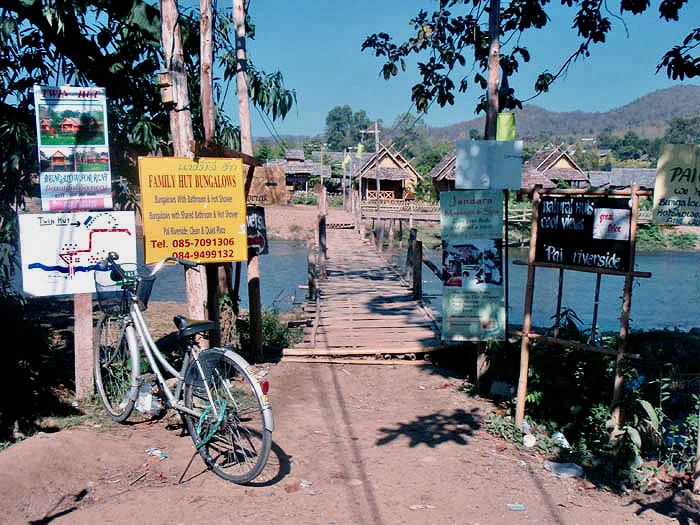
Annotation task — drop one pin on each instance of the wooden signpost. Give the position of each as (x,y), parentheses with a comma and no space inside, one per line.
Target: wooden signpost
(585,231)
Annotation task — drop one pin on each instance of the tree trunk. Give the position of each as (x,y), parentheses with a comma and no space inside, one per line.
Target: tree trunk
(206,87)
(255,306)
(494,69)
(181,132)
(206,81)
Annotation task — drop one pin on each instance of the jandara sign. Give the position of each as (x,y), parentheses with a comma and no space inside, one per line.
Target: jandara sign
(193,209)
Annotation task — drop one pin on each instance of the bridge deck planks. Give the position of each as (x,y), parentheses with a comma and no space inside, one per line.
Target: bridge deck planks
(364,307)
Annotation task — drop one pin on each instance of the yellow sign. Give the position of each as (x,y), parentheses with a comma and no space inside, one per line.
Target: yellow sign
(193,209)
(677,188)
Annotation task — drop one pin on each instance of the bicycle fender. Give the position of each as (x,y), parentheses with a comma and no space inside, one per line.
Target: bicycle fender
(133,345)
(268,421)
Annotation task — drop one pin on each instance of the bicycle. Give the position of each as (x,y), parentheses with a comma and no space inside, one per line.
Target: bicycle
(222,400)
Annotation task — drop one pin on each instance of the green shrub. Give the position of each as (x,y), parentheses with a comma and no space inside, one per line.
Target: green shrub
(683,240)
(275,333)
(650,237)
(304,198)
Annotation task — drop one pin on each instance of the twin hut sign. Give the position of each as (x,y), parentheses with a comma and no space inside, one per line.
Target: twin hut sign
(584,232)
(193,209)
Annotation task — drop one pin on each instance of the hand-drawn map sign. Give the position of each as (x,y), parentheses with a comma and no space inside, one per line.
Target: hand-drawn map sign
(588,232)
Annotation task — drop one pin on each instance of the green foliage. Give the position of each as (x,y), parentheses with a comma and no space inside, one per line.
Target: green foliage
(343,128)
(34,372)
(451,43)
(683,240)
(650,237)
(307,198)
(276,335)
(570,390)
(683,131)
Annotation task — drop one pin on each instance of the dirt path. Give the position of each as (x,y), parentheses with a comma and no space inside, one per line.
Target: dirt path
(352,445)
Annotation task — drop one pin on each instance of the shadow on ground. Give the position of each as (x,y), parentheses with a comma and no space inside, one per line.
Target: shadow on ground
(434,429)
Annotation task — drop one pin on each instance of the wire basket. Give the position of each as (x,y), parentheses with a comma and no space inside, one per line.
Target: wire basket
(114,294)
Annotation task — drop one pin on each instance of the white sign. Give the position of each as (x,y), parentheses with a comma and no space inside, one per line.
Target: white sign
(60,251)
(74,170)
(611,223)
(489,164)
(677,187)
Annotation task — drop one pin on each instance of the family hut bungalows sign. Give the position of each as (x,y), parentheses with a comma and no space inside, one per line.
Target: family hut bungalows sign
(585,232)
(193,209)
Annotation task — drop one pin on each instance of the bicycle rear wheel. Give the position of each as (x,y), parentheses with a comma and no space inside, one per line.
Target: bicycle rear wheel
(231,435)
(115,368)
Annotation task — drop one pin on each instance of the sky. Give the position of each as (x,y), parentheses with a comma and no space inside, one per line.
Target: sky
(317,47)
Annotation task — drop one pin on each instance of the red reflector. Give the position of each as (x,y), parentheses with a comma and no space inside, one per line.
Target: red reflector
(265,386)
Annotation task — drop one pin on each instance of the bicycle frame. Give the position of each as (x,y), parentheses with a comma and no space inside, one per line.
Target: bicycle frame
(138,327)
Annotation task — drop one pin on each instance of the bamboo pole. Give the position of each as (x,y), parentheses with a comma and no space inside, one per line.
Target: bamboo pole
(527,317)
(625,315)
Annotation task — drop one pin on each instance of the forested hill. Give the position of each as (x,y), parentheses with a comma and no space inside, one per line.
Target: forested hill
(646,116)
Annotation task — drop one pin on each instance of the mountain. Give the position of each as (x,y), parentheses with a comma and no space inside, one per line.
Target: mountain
(647,116)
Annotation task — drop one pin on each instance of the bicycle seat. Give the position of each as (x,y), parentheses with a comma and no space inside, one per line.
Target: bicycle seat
(187,327)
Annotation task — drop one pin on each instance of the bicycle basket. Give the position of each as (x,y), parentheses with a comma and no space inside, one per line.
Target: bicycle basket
(113,295)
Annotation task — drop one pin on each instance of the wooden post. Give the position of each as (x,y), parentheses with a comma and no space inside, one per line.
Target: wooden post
(483,363)
(527,317)
(254,300)
(215,273)
(322,249)
(82,343)
(391,235)
(312,277)
(409,252)
(560,291)
(379,236)
(618,387)
(417,270)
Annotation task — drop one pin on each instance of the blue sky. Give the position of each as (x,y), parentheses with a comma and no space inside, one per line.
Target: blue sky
(316,46)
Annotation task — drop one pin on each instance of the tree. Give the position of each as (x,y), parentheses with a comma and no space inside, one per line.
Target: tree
(683,131)
(343,127)
(452,40)
(115,45)
(409,135)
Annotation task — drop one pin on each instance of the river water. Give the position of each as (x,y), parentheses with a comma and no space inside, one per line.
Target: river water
(669,299)
(282,272)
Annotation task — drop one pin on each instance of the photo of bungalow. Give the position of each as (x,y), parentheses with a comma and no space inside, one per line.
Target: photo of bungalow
(74,159)
(67,125)
(47,127)
(85,124)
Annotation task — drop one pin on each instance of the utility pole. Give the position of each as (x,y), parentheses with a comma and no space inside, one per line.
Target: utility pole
(376,159)
(181,131)
(216,275)
(254,302)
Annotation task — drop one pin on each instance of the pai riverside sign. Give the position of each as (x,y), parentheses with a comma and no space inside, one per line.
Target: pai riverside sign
(586,232)
(193,209)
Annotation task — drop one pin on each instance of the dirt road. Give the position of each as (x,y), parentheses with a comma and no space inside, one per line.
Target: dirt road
(354,444)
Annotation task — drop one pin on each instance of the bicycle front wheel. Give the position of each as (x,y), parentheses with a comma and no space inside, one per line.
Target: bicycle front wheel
(115,367)
(231,434)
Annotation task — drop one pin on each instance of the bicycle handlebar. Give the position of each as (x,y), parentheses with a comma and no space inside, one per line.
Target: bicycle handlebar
(112,258)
